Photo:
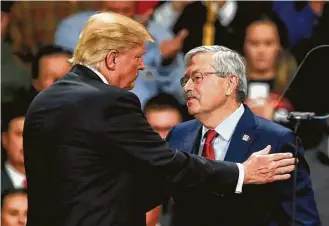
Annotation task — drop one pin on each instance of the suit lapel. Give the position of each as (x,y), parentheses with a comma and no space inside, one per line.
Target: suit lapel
(192,139)
(243,137)
(6,182)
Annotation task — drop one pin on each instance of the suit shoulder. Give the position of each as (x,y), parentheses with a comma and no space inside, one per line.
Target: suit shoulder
(188,124)
(84,87)
(77,91)
(182,129)
(270,127)
(185,127)
(122,96)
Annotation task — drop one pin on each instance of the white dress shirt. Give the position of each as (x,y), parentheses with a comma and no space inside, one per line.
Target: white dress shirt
(16,177)
(221,143)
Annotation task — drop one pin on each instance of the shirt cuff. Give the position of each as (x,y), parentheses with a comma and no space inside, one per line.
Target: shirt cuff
(238,189)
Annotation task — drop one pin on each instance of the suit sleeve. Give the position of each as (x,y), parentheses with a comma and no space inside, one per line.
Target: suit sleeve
(306,210)
(143,149)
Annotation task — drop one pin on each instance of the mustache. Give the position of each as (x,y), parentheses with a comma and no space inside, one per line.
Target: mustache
(191,94)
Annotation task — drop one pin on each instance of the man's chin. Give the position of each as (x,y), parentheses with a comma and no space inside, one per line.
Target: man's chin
(130,86)
(192,104)
(192,111)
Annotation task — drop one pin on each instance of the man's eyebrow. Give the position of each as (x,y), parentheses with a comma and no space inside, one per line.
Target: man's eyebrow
(185,75)
(193,72)
(140,55)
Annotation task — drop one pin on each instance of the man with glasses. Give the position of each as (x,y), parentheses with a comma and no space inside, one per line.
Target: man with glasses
(215,85)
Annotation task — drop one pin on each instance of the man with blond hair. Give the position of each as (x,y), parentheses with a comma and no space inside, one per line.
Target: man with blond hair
(88,144)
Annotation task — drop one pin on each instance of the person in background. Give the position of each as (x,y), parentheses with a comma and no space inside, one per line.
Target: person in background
(34,23)
(270,68)
(319,36)
(144,6)
(167,13)
(210,22)
(13,171)
(163,59)
(14,76)
(50,64)
(14,207)
(163,112)
(300,18)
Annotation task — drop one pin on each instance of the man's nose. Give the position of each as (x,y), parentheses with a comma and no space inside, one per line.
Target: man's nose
(141,65)
(22,220)
(188,86)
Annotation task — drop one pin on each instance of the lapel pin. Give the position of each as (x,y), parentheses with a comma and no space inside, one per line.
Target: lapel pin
(245,137)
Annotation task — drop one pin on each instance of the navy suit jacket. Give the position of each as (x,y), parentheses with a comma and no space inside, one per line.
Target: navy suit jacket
(269,204)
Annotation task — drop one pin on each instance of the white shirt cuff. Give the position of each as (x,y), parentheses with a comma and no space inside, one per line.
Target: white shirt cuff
(238,189)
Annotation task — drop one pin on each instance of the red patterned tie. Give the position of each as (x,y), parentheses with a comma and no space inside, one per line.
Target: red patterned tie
(208,148)
(24,183)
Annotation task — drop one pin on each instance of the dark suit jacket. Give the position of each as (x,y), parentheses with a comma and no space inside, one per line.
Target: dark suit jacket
(258,205)
(6,183)
(91,158)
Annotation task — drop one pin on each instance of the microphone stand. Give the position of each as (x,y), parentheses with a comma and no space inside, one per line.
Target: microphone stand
(298,117)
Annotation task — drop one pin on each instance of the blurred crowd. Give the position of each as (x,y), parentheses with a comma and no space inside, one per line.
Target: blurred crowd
(39,37)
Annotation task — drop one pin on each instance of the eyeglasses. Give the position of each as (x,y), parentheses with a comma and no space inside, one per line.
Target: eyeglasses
(197,77)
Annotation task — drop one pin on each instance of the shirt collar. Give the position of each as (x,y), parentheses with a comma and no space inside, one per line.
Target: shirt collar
(16,177)
(227,127)
(97,73)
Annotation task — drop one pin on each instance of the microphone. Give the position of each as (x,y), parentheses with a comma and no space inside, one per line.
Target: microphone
(297,115)
(281,115)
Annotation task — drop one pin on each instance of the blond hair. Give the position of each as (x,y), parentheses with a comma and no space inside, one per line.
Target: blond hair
(106,31)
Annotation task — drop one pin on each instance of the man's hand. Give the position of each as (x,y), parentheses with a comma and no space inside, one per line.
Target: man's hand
(262,167)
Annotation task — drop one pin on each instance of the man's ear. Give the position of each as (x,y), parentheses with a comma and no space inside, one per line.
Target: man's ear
(36,84)
(110,59)
(232,84)
(5,18)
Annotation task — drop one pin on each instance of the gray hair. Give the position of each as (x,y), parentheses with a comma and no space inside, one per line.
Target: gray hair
(226,62)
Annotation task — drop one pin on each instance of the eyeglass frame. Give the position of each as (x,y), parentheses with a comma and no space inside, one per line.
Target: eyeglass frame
(183,83)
